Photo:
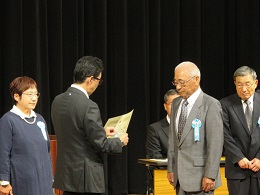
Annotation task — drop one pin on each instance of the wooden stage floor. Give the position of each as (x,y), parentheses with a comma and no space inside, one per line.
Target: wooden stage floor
(219,191)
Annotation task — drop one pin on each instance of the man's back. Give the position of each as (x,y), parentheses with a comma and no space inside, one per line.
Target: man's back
(81,139)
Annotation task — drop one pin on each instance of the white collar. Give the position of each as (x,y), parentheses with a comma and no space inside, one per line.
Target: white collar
(17,111)
(191,100)
(251,99)
(81,89)
(168,119)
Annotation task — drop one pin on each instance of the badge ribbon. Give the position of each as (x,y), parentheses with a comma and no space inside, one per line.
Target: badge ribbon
(196,124)
(41,125)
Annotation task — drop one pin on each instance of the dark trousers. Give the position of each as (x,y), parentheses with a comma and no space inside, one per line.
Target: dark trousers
(76,193)
(249,185)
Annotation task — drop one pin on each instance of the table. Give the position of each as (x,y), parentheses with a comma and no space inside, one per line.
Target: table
(158,183)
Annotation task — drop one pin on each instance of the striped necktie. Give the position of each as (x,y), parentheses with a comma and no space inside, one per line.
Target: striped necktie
(182,118)
(248,114)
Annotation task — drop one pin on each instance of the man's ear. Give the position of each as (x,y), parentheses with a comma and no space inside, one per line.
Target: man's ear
(89,80)
(256,83)
(164,105)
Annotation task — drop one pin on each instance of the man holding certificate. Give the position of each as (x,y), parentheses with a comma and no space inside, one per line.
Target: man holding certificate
(80,134)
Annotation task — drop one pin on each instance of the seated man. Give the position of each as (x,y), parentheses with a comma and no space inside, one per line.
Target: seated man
(157,133)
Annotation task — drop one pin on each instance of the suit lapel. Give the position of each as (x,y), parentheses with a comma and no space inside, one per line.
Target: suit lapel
(194,113)
(165,126)
(238,109)
(174,114)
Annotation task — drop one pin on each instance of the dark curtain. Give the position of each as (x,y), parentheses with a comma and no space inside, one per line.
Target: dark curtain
(140,42)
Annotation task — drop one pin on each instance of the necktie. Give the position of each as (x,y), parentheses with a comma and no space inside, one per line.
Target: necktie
(248,114)
(182,118)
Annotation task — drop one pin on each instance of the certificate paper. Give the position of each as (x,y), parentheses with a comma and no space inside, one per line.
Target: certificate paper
(120,123)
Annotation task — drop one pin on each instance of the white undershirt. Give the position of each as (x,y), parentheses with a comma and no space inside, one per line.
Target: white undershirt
(81,89)
(191,100)
(251,99)
(168,119)
(17,111)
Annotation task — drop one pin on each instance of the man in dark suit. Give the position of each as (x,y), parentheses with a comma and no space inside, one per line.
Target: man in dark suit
(242,134)
(80,134)
(157,133)
(195,136)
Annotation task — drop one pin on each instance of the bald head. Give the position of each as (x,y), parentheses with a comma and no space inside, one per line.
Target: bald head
(186,78)
(189,68)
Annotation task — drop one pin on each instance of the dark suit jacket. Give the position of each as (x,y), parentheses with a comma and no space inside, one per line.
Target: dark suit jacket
(239,142)
(157,139)
(81,139)
(191,160)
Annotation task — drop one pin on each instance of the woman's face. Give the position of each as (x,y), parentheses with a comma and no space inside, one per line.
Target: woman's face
(28,100)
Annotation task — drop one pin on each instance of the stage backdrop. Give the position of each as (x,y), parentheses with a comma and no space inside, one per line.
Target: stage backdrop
(140,42)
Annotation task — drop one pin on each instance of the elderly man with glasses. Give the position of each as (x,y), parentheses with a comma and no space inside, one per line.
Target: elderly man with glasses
(195,137)
(242,134)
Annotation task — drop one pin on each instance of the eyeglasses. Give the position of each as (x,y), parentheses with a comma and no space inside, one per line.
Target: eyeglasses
(100,80)
(181,83)
(32,95)
(247,85)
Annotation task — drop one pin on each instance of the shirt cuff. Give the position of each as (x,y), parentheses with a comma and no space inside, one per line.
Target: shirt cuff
(4,183)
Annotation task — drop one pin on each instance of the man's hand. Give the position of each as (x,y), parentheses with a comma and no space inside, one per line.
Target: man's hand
(254,165)
(208,184)
(6,190)
(124,138)
(244,163)
(110,131)
(170,177)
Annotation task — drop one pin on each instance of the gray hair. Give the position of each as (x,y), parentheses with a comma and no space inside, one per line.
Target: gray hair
(192,69)
(244,71)
(168,93)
